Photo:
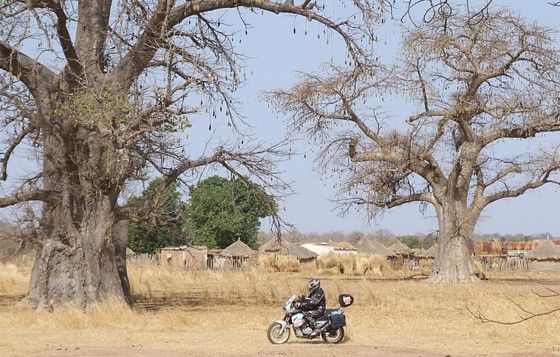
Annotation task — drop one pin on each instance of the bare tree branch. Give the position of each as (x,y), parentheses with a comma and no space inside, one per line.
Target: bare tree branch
(527,314)
(474,87)
(36,195)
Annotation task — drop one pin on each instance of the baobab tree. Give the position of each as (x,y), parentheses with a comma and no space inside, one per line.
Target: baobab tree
(97,92)
(482,95)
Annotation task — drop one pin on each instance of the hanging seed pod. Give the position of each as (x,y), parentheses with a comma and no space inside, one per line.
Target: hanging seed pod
(294,30)
(209,127)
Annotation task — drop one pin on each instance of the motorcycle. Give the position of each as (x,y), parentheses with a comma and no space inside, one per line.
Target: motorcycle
(329,326)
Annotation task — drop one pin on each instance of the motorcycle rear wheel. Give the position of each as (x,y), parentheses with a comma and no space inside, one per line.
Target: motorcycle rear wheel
(333,336)
(276,335)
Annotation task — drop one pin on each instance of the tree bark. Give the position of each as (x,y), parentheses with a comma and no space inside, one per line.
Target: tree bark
(78,270)
(81,269)
(453,261)
(81,253)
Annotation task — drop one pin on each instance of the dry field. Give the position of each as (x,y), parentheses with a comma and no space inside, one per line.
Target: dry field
(227,314)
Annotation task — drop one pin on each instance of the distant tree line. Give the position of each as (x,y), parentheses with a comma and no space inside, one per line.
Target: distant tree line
(387,238)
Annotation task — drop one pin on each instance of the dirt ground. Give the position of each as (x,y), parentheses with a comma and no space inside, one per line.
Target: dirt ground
(212,337)
(230,342)
(231,331)
(389,318)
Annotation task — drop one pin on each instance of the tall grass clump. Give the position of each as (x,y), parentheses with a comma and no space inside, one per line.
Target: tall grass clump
(12,280)
(351,264)
(15,275)
(279,263)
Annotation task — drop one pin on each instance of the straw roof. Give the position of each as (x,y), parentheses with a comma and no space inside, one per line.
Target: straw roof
(367,246)
(546,250)
(237,248)
(430,253)
(280,246)
(400,247)
(345,244)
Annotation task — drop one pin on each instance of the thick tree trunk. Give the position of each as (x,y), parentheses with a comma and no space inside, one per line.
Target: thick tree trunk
(453,261)
(120,239)
(81,255)
(84,267)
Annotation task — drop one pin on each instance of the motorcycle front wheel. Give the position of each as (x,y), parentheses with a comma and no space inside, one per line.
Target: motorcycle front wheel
(276,335)
(333,336)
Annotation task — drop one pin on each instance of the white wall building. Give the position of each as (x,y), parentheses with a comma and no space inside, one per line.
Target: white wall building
(325,248)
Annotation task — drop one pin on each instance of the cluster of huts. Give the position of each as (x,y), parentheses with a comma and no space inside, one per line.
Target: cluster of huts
(239,255)
(538,255)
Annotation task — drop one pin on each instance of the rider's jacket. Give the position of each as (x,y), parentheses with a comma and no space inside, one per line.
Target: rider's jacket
(316,301)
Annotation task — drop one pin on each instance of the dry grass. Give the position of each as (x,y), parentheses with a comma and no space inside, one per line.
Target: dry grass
(227,313)
(354,265)
(14,275)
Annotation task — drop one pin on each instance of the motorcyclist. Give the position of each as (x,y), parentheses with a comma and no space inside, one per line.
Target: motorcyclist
(314,304)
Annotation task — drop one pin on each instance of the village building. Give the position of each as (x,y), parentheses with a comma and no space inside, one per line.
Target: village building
(184,257)
(400,248)
(282,247)
(325,248)
(237,255)
(546,256)
(369,247)
(426,258)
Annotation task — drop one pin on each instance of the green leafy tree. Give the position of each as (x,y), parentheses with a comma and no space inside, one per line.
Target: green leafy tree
(167,230)
(221,211)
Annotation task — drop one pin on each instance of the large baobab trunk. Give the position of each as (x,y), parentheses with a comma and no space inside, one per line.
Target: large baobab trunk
(453,261)
(83,266)
(82,247)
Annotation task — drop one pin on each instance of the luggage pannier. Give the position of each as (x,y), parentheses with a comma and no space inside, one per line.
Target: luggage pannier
(345,300)
(338,320)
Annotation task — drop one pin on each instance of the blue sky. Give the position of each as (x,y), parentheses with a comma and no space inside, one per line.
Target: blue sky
(277,54)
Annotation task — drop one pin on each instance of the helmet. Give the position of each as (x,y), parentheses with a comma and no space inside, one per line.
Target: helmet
(313,284)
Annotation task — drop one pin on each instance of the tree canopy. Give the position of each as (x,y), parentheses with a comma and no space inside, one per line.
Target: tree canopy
(479,87)
(99,94)
(148,236)
(220,211)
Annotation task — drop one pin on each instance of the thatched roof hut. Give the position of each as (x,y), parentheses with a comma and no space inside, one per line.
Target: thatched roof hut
(546,250)
(367,246)
(345,244)
(400,247)
(237,249)
(280,246)
(430,253)
(546,256)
